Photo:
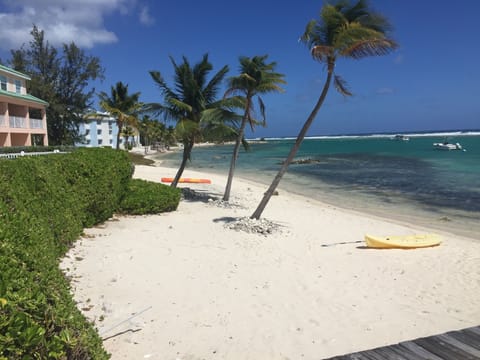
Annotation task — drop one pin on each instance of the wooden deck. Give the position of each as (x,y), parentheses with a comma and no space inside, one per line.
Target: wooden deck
(454,345)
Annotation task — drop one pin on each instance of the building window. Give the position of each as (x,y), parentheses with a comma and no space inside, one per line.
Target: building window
(111,141)
(99,132)
(100,141)
(88,142)
(110,122)
(110,132)
(18,86)
(3,82)
(99,122)
(87,131)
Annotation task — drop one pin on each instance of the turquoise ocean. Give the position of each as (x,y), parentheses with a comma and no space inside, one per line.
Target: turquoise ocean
(405,180)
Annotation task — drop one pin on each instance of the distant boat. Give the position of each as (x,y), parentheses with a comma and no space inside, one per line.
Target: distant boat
(447,146)
(401,138)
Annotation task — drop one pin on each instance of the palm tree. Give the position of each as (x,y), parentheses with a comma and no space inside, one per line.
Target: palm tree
(127,133)
(256,77)
(190,103)
(122,106)
(344,30)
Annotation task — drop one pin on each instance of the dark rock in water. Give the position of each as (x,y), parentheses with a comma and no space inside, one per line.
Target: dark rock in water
(302,161)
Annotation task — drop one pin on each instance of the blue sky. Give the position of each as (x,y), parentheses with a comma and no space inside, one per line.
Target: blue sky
(429,83)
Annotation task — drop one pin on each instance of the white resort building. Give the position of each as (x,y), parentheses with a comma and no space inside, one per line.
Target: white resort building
(23,120)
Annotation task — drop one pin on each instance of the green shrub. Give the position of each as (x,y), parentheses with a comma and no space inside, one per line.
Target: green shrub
(144,197)
(45,203)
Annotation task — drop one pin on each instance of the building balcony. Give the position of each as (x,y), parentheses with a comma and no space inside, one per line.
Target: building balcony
(21,122)
(36,123)
(18,122)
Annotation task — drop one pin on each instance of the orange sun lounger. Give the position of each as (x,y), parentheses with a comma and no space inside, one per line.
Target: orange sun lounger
(188,180)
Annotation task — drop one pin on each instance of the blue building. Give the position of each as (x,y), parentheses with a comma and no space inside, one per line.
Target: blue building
(101,130)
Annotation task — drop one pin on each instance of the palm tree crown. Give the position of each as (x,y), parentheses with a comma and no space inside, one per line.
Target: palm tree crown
(188,102)
(256,77)
(343,30)
(122,105)
(349,31)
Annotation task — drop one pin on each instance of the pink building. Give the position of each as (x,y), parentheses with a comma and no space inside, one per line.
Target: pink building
(23,120)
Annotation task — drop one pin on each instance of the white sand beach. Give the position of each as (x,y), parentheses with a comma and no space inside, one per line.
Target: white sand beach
(181,285)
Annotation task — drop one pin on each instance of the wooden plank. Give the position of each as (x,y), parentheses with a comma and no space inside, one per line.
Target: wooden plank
(353,356)
(420,351)
(466,338)
(441,349)
(475,330)
(460,345)
(404,352)
(372,354)
(388,352)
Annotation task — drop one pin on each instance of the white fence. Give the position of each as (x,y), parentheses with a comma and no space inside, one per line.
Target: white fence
(22,153)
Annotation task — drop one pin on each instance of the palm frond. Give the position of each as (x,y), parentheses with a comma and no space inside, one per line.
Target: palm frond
(261,106)
(162,85)
(213,85)
(219,116)
(187,129)
(322,53)
(341,85)
(180,105)
(233,102)
(375,47)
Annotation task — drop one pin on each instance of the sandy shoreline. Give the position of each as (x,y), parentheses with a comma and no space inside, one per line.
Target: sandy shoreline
(183,286)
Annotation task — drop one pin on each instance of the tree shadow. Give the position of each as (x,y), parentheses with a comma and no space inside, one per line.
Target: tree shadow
(226,219)
(192,195)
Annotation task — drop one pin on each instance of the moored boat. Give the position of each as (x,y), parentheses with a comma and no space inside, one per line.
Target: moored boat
(447,146)
(401,138)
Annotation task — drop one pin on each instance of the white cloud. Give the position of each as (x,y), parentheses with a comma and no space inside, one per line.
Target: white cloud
(145,17)
(63,21)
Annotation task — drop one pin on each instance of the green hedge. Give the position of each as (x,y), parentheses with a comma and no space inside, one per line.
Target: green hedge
(144,197)
(45,202)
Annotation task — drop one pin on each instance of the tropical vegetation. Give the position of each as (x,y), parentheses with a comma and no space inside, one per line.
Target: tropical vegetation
(146,197)
(124,107)
(41,215)
(343,30)
(154,132)
(192,103)
(256,77)
(60,77)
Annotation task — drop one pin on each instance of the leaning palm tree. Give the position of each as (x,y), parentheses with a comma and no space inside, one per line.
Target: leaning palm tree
(122,106)
(189,103)
(256,77)
(344,30)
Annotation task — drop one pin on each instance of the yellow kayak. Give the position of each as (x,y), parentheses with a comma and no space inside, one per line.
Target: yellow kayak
(402,242)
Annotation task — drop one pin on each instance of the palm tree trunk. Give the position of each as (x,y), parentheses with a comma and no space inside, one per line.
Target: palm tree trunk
(187,150)
(236,149)
(268,194)
(119,126)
